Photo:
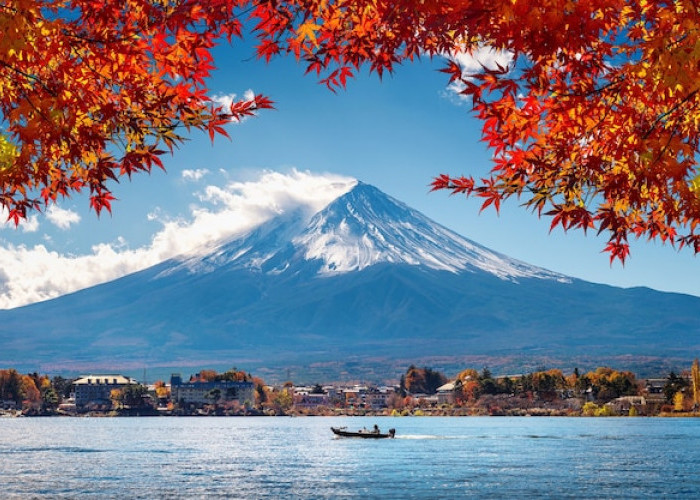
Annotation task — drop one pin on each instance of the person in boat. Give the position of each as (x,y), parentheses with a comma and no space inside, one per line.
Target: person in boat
(376,429)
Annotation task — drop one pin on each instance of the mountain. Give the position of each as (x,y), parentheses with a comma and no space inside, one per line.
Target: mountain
(367,281)
(360,229)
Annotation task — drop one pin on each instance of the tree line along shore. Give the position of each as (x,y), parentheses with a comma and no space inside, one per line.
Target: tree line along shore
(420,391)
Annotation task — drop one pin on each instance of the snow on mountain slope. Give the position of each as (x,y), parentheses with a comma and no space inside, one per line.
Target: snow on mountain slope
(361,228)
(366,227)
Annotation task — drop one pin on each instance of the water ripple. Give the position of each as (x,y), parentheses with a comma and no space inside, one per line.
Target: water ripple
(299,458)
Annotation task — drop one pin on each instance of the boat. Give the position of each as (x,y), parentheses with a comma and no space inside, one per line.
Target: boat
(363,433)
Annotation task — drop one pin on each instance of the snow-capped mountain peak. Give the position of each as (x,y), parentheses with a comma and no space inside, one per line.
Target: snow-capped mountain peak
(359,229)
(366,227)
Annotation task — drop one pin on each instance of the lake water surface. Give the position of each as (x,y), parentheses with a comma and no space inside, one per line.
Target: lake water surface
(278,457)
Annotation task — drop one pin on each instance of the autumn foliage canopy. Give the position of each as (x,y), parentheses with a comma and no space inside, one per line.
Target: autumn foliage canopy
(592,122)
(94,90)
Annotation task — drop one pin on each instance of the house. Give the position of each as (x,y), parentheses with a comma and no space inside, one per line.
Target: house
(377,398)
(622,405)
(654,390)
(424,399)
(447,393)
(97,389)
(68,406)
(354,396)
(307,399)
(336,396)
(199,392)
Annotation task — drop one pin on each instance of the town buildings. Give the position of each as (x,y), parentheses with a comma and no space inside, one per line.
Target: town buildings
(198,392)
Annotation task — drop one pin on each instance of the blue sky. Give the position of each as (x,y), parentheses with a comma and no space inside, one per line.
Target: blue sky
(396,134)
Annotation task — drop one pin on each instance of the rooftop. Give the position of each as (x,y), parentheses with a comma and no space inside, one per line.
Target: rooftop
(105,379)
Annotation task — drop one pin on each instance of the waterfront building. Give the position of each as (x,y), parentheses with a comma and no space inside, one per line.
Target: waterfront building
(622,405)
(199,393)
(377,398)
(97,389)
(306,399)
(446,394)
(654,390)
(355,396)
(368,397)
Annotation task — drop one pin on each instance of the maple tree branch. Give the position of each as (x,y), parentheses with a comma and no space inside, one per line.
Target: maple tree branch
(70,34)
(41,113)
(668,142)
(28,76)
(667,113)
(598,90)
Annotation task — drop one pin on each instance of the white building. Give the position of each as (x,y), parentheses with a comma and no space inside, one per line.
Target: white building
(447,393)
(96,389)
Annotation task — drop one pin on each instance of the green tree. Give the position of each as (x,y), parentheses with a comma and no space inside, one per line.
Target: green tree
(506,385)
(62,386)
(489,386)
(49,398)
(525,383)
(132,395)
(674,384)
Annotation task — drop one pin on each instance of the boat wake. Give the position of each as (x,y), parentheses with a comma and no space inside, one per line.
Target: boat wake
(424,436)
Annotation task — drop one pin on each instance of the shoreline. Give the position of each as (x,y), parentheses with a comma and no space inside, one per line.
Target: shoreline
(292,414)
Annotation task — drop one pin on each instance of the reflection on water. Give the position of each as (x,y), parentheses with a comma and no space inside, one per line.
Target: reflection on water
(431,457)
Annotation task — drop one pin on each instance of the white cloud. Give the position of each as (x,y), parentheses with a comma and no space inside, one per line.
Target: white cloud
(61,218)
(225,101)
(478,59)
(28,225)
(483,57)
(194,175)
(32,274)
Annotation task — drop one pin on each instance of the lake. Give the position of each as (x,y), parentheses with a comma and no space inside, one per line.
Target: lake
(282,457)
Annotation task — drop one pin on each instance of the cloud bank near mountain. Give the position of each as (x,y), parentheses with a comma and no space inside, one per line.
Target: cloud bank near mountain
(33,274)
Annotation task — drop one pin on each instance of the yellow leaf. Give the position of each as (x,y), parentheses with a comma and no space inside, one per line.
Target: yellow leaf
(695,185)
(308,30)
(8,152)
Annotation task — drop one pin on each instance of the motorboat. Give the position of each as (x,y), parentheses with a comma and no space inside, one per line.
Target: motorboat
(363,433)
